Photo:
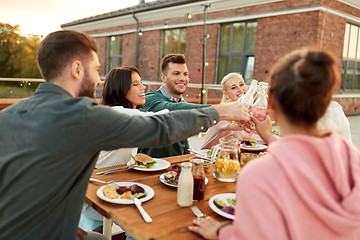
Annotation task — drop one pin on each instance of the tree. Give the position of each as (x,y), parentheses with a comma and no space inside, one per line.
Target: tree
(17,53)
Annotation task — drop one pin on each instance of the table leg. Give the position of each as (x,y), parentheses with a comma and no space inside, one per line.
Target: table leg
(107,228)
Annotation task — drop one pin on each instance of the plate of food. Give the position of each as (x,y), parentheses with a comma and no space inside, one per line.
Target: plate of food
(250,144)
(171,177)
(258,147)
(224,204)
(121,194)
(146,163)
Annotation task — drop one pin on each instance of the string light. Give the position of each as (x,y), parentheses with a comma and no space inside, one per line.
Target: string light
(140,33)
(113,38)
(166,25)
(189,15)
(206,64)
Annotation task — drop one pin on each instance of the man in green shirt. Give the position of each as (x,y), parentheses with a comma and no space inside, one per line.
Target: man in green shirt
(49,143)
(175,78)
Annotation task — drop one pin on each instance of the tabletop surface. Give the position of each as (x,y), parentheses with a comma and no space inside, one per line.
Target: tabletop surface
(169,220)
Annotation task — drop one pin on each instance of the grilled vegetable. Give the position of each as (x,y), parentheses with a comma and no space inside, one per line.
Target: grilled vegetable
(136,189)
(140,195)
(229,210)
(121,190)
(219,203)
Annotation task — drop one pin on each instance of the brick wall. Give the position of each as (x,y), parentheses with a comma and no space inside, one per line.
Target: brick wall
(128,49)
(275,37)
(149,57)
(350,105)
(102,53)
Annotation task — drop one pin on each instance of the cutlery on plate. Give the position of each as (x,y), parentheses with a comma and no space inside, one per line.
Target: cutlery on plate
(200,155)
(113,183)
(144,214)
(197,212)
(119,169)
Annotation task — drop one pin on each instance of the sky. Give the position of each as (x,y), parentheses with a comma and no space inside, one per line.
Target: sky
(41,17)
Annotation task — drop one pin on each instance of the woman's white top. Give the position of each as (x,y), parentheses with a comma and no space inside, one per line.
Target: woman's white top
(334,119)
(122,155)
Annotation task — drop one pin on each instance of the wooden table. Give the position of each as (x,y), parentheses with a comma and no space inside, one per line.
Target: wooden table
(169,220)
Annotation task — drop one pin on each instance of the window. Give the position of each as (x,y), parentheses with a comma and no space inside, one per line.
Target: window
(114,52)
(236,53)
(173,41)
(351,59)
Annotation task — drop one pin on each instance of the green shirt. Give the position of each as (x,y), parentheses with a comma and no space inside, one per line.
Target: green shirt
(156,101)
(49,144)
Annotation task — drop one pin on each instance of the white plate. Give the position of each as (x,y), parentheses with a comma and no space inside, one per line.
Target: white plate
(160,164)
(162,179)
(203,152)
(258,147)
(148,190)
(222,197)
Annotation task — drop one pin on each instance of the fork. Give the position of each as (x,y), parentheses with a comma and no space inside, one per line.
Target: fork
(112,183)
(144,214)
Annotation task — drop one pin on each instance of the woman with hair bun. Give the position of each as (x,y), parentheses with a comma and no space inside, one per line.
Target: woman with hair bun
(308,185)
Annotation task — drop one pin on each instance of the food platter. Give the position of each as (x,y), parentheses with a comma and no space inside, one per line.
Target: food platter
(148,191)
(160,164)
(163,180)
(223,197)
(258,147)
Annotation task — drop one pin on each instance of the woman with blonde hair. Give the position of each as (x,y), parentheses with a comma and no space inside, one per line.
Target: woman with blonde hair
(233,86)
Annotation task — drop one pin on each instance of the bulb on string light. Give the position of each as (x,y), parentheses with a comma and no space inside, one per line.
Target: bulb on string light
(207,35)
(113,38)
(206,64)
(189,15)
(166,25)
(204,91)
(140,33)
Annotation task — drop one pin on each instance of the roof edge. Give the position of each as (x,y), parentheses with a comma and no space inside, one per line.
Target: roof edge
(130,10)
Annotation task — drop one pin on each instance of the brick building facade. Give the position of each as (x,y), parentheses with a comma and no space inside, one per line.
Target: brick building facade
(282,26)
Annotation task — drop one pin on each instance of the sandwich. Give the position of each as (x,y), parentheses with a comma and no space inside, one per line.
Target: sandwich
(250,141)
(143,160)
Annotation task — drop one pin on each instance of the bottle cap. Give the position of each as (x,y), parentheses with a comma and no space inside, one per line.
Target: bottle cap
(186,165)
(198,161)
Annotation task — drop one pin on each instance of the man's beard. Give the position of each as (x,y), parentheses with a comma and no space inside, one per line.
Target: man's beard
(177,91)
(88,87)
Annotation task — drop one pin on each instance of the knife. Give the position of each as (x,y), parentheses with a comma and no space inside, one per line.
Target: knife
(144,214)
(197,212)
(124,168)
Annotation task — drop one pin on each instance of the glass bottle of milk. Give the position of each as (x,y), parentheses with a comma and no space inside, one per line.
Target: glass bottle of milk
(185,188)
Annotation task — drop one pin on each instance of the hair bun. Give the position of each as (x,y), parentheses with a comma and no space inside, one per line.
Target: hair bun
(313,71)
(318,58)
